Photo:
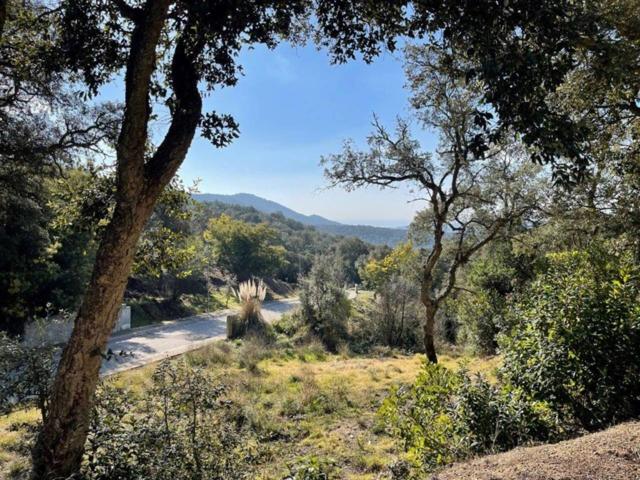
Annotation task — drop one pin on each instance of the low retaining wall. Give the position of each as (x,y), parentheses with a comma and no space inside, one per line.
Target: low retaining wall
(57,329)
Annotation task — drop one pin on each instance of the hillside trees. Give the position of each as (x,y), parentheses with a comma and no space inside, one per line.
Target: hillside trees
(243,249)
(473,190)
(165,50)
(349,250)
(44,129)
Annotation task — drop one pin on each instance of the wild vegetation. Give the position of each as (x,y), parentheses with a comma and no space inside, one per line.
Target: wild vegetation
(510,317)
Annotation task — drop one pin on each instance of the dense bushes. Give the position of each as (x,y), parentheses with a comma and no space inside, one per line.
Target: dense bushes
(480,309)
(447,416)
(576,338)
(570,345)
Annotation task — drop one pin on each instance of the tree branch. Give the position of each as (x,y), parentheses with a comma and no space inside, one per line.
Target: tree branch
(186,114)
(140,66)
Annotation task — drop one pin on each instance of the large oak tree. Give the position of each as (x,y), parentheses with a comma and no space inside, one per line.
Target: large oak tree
(168,51)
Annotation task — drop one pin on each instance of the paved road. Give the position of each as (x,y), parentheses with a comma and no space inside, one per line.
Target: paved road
(153,343)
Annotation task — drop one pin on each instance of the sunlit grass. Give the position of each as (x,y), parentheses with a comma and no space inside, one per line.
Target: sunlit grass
(16,436)
(298,402)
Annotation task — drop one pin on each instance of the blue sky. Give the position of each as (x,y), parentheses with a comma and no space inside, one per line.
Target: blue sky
(293,106)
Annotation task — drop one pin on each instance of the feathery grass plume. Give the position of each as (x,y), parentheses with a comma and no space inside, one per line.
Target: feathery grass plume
(250,294)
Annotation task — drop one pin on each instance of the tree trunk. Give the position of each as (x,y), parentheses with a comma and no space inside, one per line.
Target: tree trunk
(431,308)
(60,446)
(429,343)
(140,181)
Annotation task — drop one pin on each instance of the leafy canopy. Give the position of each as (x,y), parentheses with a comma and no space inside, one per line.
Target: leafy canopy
(243,249)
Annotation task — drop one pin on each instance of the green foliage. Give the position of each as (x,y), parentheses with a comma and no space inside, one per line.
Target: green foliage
(167,249)
(312,468)
(491,280)
(26,374)
(447,416)
(302,242)
(177,429)
(325,306)
(576,338)
(244,249)
(377,272)
(350,251)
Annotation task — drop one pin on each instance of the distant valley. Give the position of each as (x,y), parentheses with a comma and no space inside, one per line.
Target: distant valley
(367,233)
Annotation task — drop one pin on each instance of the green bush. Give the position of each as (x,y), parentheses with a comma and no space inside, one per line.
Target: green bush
(491,280)
(325,306)
(175,429)
(447,416)
(576,339)
(26,374)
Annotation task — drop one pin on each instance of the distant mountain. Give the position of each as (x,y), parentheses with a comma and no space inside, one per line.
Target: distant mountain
(367,233)
(263,205)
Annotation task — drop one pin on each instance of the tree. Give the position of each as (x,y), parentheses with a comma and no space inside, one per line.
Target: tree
(243,249)
(473,192)
(166,50)
(528,52)
(166,250)
(350,250)
(325,306)
(44,130)
(378,272)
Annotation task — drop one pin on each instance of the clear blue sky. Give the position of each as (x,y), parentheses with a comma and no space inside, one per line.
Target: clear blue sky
(293,106)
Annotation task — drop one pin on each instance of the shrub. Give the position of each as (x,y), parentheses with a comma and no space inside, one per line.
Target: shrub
(177,429)
(212,354)
(576,338)
(447,416)
(26,374)
(325,307)
(397,313)
(254,349)
(480,318)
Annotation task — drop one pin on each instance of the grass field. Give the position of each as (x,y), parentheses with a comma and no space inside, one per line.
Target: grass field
(303,405)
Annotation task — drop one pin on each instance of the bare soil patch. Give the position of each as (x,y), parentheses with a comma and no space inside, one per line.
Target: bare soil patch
(612,454)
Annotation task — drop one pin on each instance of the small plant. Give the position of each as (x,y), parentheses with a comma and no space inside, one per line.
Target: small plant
(250,294)
(325,306)
(178,428)
(312,468)
(254,349)
(26,374)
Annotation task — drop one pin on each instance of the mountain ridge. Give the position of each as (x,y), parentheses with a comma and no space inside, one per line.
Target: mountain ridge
(367,233)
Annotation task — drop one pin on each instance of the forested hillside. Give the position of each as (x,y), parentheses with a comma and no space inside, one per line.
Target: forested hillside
(366,233)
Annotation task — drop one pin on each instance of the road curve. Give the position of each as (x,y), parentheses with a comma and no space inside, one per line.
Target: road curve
(149,344)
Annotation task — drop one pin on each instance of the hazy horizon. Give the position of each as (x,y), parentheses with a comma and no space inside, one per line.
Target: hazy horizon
(376,222)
